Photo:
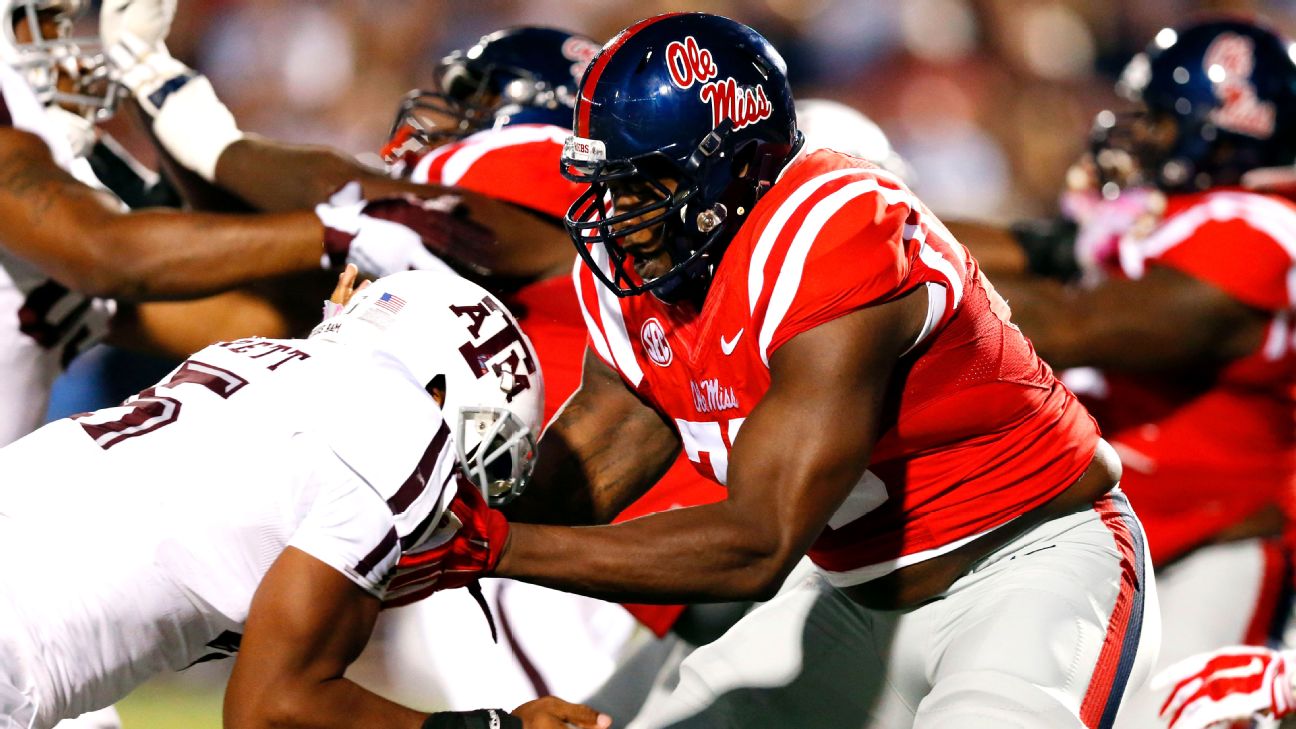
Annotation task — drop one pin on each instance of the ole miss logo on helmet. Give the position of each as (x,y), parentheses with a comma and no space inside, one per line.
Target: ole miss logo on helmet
(1228,64)
(691,64)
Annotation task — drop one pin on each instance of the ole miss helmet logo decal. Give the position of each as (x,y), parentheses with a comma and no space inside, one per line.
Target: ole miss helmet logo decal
(691,64)
(1228,64)
(580,51)
(654,343)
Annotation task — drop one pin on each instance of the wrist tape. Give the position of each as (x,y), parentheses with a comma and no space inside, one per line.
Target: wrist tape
(479,719)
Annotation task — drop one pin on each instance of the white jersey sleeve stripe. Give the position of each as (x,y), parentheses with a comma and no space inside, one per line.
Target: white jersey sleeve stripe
(772,231)
(789,279)
(1275,220)
(614,323)
(595,334)
(475,148)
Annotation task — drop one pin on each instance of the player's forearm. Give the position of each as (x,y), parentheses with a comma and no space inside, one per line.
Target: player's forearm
(333,704)
(169,255)
(275,176)
(698,554)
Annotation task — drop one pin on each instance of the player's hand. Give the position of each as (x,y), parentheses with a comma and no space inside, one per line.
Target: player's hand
(550,712)
(344,290)
(378,236)
(147,20)
(1236,683)
(474,536)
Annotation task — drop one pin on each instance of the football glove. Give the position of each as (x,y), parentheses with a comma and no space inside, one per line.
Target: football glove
(472,552)
(1236,683)
(379,236)
(147,20)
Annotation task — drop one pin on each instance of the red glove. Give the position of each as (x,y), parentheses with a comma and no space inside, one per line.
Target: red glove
(1229,684)
(470,553)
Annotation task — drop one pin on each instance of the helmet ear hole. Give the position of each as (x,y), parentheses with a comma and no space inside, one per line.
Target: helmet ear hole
(436,387)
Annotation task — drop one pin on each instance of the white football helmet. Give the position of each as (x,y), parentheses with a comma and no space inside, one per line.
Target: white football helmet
(453,335)
(42,60)
(829,124)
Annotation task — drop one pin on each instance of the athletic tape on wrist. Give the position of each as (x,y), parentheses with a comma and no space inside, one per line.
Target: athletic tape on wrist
(479,719)
(194,126)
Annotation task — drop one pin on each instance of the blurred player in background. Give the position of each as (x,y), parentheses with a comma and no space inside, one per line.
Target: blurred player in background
(814,338)
(484,143)
(1187,307)
(244,506)
(68,247)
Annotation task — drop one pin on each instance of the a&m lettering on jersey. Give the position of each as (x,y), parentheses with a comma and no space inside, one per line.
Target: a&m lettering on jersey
(691,64)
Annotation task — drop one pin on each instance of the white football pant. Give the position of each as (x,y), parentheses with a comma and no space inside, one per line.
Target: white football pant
(1048,632)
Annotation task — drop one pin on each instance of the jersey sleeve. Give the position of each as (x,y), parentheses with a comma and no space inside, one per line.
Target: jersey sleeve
(348,527)
(1244,248)
(855,256)
(516,164)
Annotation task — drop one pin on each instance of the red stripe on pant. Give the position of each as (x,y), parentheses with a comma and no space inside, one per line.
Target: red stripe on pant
(1107,684)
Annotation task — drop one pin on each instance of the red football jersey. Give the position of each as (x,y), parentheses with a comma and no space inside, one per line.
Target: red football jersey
(1204,449)
(984,432)
(519,164)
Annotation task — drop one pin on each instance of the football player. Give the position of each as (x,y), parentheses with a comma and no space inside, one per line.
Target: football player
(255,502)
(1188,309)
(68,247)
(813,337)
(485,141)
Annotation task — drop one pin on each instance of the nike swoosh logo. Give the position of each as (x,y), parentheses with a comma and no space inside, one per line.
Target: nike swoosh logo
(728,346)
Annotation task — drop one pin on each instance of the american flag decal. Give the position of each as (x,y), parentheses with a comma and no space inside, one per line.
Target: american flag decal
(390,302)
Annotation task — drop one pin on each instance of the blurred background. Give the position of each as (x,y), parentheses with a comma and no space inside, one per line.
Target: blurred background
(988,100)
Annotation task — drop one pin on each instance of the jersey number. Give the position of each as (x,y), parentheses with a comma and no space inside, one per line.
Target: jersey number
(707,444)
(151,409)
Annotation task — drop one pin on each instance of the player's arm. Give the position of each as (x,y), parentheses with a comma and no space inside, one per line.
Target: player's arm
(603,450)
(797,457)
(1164,320)
(81,237)
(306,624)
(484,236)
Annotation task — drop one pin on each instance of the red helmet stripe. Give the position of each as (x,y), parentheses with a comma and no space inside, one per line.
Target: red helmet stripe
(591,81)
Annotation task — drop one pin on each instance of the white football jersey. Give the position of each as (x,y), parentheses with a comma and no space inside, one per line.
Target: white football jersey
(160,517)
(42,324)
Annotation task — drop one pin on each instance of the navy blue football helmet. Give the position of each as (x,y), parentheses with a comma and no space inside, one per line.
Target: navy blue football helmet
(524,75)
(1216,99)
(682,122)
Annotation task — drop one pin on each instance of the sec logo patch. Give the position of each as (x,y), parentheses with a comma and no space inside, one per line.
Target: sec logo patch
(654,343)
